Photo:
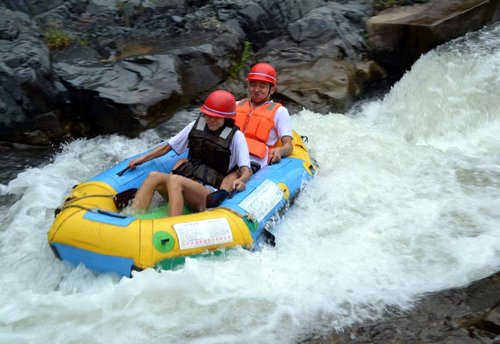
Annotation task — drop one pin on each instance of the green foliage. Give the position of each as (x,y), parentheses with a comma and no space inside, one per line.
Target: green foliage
(244,59)
(84,41)
(57,38)
(383,4)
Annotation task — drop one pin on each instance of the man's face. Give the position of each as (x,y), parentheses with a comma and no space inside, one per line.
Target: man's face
(259,91)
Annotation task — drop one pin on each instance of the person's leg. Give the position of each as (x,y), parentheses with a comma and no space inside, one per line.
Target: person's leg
(179,163)
(227,182)
(215,198)
(154,181)
(182,189)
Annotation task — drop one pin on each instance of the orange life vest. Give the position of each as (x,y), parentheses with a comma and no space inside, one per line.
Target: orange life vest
(257,124)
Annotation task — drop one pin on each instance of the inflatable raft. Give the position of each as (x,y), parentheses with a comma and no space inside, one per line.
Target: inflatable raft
(90,229)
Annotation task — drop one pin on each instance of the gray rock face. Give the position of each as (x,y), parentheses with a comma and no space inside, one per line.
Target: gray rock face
(125,66)
(125,95)
(31,7)
(326,84)
(460,315)
(397,37)
(29,90)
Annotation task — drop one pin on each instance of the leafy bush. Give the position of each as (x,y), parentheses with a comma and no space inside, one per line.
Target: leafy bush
(244,58)
(57,38)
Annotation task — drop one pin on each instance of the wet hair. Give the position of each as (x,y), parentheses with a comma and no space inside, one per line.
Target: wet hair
(229,122)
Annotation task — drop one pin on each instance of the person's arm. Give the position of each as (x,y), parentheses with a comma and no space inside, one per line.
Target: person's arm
(240,183)
(286,149)
(283,125)
(240,148)
(178,143)
(158,151)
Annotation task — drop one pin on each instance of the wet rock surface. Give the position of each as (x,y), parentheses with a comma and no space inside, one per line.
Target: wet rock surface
(397,37)
(460,315)
(142,61)
(125,66)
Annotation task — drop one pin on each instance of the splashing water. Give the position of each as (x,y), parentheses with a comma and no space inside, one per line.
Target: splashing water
(406,201)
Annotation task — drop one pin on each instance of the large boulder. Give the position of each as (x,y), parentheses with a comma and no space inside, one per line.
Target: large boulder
(470,314)
(325,85)
(123,96)
(398,36)
(30,94)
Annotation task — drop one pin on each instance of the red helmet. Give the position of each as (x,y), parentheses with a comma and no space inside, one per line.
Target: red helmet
(219,103)
(263,72)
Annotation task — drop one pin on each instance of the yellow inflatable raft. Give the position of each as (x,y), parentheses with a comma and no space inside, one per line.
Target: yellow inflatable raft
(89,228)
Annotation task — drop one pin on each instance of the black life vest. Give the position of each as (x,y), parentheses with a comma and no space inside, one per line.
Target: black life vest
(209,153)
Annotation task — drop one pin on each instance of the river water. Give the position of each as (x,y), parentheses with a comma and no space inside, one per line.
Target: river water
(406,201)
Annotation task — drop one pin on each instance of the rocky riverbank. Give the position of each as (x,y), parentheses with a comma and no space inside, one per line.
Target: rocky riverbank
(460,315)
(84,68)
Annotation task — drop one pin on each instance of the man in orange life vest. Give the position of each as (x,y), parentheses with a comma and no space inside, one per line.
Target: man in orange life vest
(266,125)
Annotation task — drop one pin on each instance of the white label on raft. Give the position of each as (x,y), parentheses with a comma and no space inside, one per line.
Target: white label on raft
(203,233)
(263,199)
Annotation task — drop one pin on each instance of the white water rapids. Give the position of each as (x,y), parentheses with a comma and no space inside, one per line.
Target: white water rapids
(406,201)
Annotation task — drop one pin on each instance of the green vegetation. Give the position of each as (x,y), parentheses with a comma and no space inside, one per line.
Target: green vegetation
(244,59)
(57,38)
(84,40)
(383,4)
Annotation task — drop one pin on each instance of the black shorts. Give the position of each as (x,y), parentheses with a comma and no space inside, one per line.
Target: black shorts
(254,167)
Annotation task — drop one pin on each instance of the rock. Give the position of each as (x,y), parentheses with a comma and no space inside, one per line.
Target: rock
(459,315)
(317,46)
(28,86)
(325,85)
(32,7)
(123,96)
(50,125)
(398,36)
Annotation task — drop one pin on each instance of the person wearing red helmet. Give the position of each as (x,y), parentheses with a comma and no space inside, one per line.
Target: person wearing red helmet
(266,125)
(216,148)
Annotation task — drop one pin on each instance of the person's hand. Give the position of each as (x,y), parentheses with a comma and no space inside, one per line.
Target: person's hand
(274,155)
(134,162)
(239,185)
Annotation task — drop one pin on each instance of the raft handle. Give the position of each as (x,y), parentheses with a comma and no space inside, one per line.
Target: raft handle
(103,212)
(119,174)
(92,210)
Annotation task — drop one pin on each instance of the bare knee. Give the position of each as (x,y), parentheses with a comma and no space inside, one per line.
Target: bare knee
(154,175)
(174,182)
(155,179)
